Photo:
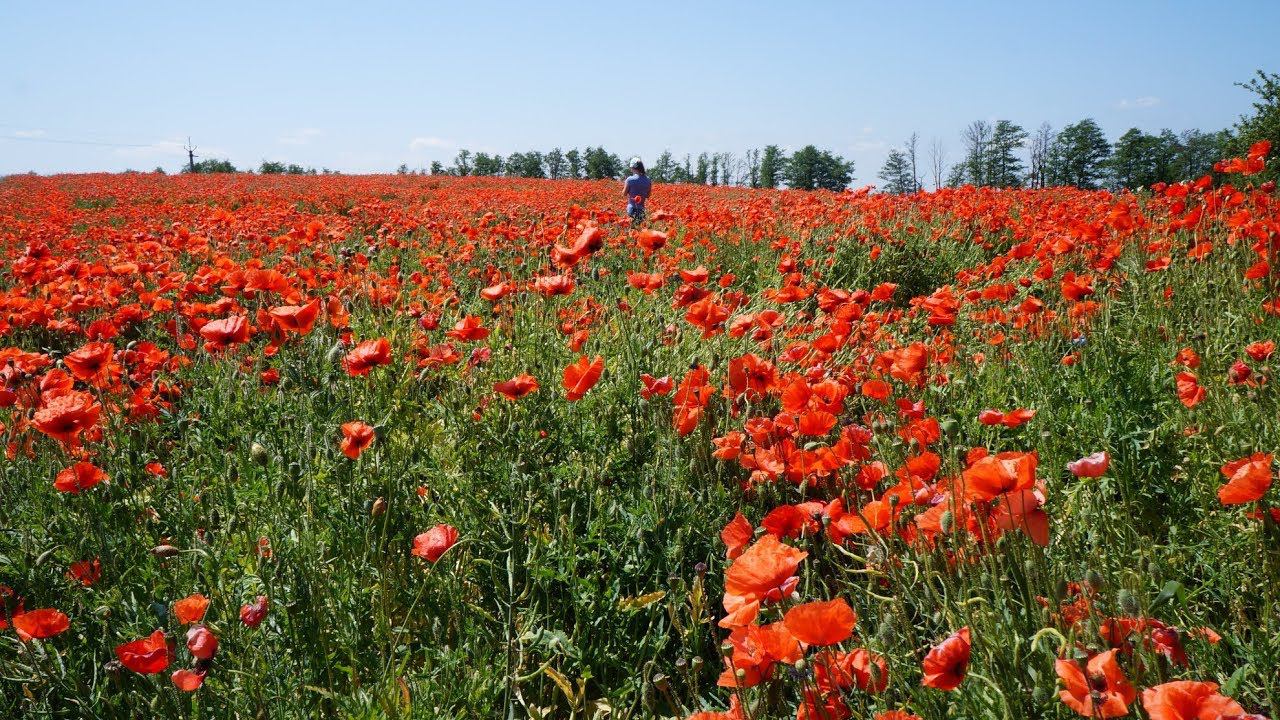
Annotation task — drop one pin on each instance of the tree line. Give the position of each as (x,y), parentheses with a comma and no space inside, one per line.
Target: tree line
(807,168)
(995,154)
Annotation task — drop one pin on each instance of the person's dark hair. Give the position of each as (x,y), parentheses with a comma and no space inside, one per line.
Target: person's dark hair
(638,166)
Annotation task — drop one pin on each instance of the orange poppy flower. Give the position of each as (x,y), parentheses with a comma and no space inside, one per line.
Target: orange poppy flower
(356,438)
(821,623)
(201,643)
(581,376)
(1189,391)
(1248,479)
(296,318)
(191,609)
(763,569)
(1188,700)
(1098,690)
(736,536)
(994,475)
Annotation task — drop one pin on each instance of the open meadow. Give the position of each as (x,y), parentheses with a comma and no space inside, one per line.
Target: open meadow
(421,446)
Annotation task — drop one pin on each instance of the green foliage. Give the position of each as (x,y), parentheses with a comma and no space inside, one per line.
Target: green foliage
(213,165)
(1078,156)
(1264,124)
(812,169)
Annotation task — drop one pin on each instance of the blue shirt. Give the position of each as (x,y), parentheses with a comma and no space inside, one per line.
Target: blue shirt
(638,185)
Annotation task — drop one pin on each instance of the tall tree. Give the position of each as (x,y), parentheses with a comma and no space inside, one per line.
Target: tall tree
(664,169)
(1038,175)
(1264,124)
(811,169)
(912,143)
(753,168)
(937,161)
(772,165)
(703,172)
(1197,151)
(1004,166)
(486,164)
(1078,156)
(896,173)
(977,147)
(555,163)
(573,163)
(462,163)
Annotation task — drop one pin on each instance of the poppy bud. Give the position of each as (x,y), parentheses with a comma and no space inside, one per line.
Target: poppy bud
(886,633)
(946,522)
(1060,590)
(335,353)
(1094,579)
(258,453)
(165,551)
(800,665)
(1128,603)
(379,507)
(44,556)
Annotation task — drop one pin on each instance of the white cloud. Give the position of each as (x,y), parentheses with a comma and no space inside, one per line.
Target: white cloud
(422,143)
(1145,101)
(301,137)
(28,133)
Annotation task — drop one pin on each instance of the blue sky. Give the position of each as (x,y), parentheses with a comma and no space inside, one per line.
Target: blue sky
(363,87)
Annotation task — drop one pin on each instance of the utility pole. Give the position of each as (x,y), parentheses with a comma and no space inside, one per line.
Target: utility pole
(191,156)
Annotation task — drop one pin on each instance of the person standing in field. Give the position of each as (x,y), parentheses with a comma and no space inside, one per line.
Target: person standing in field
(637,188)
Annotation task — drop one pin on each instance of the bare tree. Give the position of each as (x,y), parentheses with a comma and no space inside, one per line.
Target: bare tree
(977,139)
(937,161)
(912,143)
(1038,176)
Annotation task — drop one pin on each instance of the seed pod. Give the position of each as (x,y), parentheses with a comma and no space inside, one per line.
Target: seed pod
(258,454)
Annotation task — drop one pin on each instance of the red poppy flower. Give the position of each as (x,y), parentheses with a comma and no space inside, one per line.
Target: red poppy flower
(366,356)
(356,438)
(146,656)
(1090,466)
(187,680)
(221,334)
(66,415)
(40,624)
(947,663)
(581,376)
(85,572)
(517,387)
(651,386)
(433,544)
(202,644)
(191,609)
(79,477)
(252,614)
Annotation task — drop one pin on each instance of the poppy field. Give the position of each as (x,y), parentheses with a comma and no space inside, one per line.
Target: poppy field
(411,446)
